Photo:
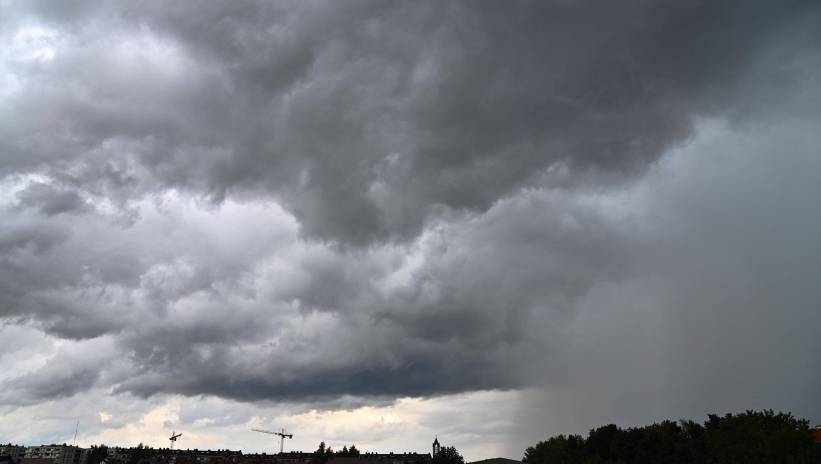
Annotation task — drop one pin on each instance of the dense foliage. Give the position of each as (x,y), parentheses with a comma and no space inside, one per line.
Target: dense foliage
(139,453)
(751,437)
(448,455)
(323,453)
(97,454)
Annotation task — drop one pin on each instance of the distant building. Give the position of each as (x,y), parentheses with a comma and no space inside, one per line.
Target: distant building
(382,458)
(36,461)
(218,457)
(15,452)
(496,461)
(816,434)
(84,452)
(57,454)
(182,456)
(293,457)
(259,458)
(117,455)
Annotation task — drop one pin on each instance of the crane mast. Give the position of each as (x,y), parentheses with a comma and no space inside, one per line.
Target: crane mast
(282,436)
(173,439)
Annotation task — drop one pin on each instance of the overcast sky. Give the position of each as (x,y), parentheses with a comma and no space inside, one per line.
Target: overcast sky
(375,222)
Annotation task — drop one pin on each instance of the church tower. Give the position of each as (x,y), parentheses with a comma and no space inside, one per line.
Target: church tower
(436,447)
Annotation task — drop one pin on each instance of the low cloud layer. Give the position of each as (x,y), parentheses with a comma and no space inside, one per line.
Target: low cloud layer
(340,204)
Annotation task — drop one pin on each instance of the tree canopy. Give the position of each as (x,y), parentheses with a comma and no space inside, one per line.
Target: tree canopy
(324,453)
(448,455)
(752,437)
(97,454)
(138,453)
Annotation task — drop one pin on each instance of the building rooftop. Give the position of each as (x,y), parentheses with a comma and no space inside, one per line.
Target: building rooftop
(496,461)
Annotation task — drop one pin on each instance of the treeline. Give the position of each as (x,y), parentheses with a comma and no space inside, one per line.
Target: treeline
(752,437)
(324,453)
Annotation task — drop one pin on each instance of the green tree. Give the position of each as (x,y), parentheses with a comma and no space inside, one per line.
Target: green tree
(322,454)
(662,442)
(352,451)
(756,437)
(752,437)
(556,450)
(139,453)
(97,454)
(603,442)
(448,455)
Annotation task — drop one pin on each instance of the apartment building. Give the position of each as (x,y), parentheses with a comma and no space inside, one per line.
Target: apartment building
(58,454)
(15,452)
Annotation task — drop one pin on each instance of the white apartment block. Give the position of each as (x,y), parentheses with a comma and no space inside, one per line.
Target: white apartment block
(118,455)
(59,454)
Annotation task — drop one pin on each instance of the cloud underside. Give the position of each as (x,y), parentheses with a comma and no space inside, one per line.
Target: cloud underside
(307,201)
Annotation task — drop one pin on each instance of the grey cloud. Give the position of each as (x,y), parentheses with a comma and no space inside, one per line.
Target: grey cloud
(545,251)
(385,339)
(365,117)
(37,239)
(719,313)
(52,201)
(459,183)
(82,276)
(393,336)
(67,315)
(576,294)
(72,371)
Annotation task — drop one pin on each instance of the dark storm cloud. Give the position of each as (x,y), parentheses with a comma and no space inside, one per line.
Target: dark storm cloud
(447,172)
(720,312)
(50,200)
(72,371)
(364,117)
(29,237)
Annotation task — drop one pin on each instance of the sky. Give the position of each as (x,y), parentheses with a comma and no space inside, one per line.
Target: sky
(380,222)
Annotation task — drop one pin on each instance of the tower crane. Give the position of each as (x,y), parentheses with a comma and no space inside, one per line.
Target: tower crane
(173,439)
(282,436)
